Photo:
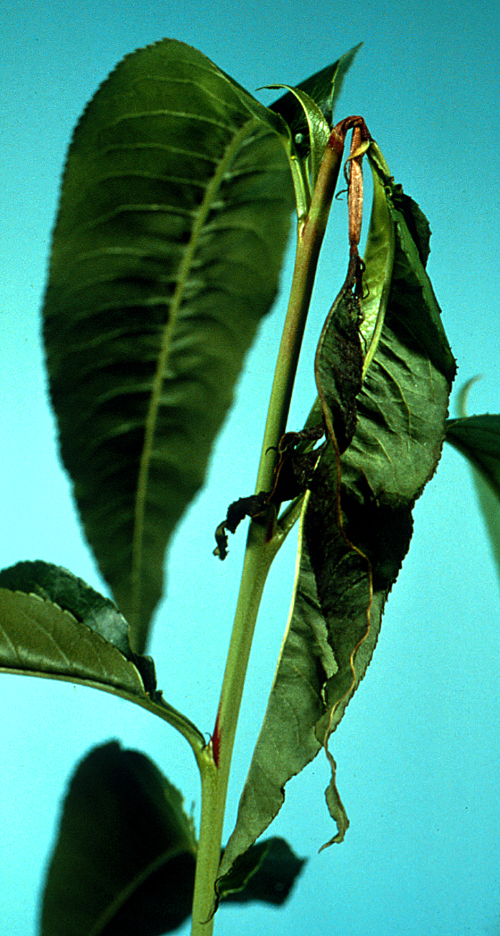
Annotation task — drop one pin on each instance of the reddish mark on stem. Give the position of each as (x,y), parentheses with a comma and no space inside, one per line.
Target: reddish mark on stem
(216,741)
(270,526)
(336,141)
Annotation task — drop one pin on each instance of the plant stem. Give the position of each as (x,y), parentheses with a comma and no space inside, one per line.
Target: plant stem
(264,541)
(258,558)
(310,234)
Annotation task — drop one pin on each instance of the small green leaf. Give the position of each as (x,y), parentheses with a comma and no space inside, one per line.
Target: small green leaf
(379,262)
(478,439)
(39,637)
(124,860)
(318,132)
(72,594)
(411,287)
(174,216)
(323,88)
(307,111)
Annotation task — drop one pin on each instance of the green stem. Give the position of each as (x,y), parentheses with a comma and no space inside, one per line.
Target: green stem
(264,541)
(310,236)
(258,558)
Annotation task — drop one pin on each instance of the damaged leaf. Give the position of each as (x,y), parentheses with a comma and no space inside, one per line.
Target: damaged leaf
(356,523)
(339,364)
(291,477)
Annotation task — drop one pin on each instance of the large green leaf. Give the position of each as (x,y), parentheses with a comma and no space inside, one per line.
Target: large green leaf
(174,216)
(124,860)
(123,841)
(351,549)
(52,624)
(478,438)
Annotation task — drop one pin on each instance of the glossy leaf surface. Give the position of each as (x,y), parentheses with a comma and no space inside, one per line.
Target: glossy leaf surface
(52,624)
(124,861)
(60,586)
(351,550)
(175,210)
(38,637)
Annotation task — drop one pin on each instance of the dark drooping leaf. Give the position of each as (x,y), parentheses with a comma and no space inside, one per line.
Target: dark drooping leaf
(356,523)
(292,473)
(122,829)
(266,872)
(175,210)
(478,438)
(339,365)
(124,861)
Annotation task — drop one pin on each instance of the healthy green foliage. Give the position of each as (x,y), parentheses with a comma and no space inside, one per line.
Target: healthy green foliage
(174,216)
(175,212)
(323,89)
(39,637)
(53,624)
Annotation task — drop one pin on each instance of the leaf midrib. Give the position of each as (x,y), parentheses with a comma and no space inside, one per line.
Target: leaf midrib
(168,332)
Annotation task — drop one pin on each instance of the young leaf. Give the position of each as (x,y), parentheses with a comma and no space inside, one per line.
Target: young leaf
(318,132)
(379,262)
(323,88)
(356,522)
(124,860)
(307,110)
(174,216)
(478,439)
(52,624)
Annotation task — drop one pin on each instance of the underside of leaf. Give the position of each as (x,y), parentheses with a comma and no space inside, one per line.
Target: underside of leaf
(52,624)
